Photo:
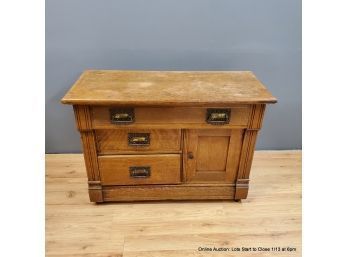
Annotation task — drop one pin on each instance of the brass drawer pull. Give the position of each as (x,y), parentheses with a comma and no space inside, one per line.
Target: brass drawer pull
(218,116)
(122,116)
(140,171)
(138,139)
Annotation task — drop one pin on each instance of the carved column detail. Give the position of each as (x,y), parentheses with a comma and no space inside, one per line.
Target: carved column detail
(247,154)
(90,155)
(84,125)
(256,116)
(83,117)
(249,140)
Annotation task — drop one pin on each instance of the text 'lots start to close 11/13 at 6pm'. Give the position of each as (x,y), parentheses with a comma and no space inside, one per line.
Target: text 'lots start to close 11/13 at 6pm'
(248,249)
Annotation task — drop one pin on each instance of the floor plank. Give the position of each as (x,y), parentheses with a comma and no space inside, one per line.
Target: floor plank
(270,217)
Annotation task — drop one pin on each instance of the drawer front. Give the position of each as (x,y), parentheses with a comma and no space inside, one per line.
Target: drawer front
(139,169)
(137,140)
(170,117)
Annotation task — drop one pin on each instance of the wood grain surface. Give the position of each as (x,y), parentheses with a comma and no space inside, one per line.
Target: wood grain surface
(270,217)
(116,141)
(215,155)
(171,117)
(105,87)
(168,192)
(114,169)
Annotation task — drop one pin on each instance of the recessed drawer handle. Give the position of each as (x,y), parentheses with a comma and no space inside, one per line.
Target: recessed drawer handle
(139,139)
(218,116)
(140,172)
(122,116)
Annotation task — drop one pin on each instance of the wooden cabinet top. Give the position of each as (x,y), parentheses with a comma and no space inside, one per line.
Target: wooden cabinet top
(167,88)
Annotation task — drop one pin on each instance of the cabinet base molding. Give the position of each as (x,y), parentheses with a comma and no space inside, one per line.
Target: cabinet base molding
(242,188)
(95,191)
(168,192)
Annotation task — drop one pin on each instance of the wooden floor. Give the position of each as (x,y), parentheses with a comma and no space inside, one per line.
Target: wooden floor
(270,217)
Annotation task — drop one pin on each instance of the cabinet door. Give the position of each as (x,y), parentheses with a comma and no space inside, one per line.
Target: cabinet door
(212,156)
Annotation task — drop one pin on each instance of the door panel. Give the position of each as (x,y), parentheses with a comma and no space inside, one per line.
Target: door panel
(212,156)
(212,153)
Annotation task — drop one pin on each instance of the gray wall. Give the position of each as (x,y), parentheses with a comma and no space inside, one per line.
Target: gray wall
(262,36)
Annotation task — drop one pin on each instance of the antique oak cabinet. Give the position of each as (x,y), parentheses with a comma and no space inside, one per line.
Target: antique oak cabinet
(177,135)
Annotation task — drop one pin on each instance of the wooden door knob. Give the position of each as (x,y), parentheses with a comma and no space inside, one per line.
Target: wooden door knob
(190,155)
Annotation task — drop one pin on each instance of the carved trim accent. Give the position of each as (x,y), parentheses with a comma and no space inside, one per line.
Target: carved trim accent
(245,163)
(247,153)
(95,191)
(90,155)
(256,116)
(242,188)
(242,182)
(96,195)
(94,185)
(83,117)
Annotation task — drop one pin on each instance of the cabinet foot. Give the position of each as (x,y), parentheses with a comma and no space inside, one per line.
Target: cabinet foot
(242,188)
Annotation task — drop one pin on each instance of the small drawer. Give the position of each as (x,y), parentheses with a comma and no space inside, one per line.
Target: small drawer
(139,169)
(138,140)
(171,117)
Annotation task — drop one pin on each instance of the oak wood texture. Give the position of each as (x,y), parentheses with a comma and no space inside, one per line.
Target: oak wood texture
(114,169)
(245,162)
(187,157)
(171,117)
(168,192)
(159,88)
(256,116)
(95,191)
(270,216)
(116,141)
(83,117)
(90,154)
(212,155)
